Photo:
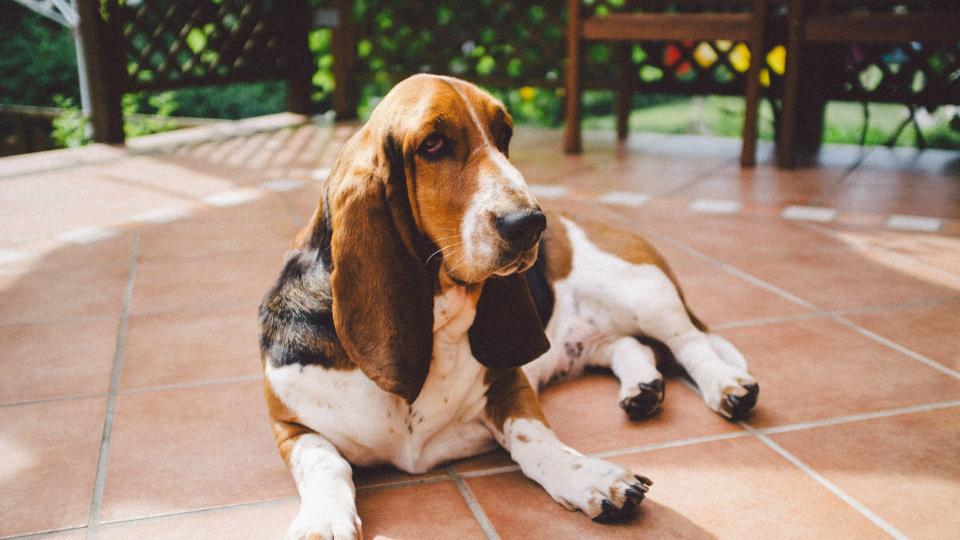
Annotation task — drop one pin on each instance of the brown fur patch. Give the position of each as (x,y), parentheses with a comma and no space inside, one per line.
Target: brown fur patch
(509,395)
(382,291)
(629,246)
(286,426)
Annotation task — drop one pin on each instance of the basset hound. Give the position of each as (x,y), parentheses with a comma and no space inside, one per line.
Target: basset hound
(427,276)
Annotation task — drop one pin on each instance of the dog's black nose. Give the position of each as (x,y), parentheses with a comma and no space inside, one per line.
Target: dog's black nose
(521,229)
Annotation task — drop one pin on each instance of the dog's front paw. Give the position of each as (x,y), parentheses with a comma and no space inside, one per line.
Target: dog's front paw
(325,524)
(603,491)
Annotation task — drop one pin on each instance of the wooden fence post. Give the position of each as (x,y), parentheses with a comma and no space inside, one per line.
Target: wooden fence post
(299,17)
(103,54)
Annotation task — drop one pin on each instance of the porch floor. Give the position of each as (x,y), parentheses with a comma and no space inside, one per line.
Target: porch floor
(131,396)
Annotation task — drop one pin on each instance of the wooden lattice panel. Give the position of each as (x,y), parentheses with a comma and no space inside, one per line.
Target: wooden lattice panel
(911,73)
(183,43)
(488,41)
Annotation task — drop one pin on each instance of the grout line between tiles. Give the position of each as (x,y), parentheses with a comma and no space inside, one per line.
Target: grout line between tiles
(50,400)
(192,384)
(809,471)
(474,506)
(835,313)
(838,420)
(897,347)
(43,534)
(835,317)
(208,510)
(96,501)
(739,273)
(670,444)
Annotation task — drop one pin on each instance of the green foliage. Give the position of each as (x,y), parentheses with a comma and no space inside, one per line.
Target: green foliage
(70,127)
(37,59)
(159,107)
(38,67)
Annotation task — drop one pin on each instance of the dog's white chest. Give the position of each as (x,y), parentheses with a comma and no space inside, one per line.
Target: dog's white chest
(369,425)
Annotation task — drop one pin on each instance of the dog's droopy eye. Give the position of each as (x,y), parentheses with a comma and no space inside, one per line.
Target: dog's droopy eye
(433,145)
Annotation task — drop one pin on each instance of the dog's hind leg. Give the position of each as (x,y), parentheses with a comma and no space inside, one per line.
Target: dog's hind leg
(717,368)
(634,364)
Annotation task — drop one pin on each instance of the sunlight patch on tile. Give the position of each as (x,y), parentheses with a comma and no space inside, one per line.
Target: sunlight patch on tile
(164,214)
(232,197)
(282,185)
(9,256)
(624,198)
(809,213)
(715,206)
(548,192)
(914,223)
(86,235)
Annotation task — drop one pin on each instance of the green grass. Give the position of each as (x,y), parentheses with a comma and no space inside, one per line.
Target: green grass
(723,116)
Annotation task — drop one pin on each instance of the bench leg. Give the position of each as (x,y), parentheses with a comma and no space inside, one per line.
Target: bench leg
(624,88)
(572,143)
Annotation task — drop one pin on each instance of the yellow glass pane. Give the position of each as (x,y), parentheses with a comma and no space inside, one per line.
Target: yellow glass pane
(723,45)
(777,59)
(704,54)
(765,77)
(740,57)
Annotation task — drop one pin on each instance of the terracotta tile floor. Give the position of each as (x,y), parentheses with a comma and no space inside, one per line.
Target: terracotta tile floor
(130,393)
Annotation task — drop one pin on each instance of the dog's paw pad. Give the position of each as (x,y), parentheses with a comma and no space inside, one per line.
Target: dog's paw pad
(738,402)
(646,402)
(610,513)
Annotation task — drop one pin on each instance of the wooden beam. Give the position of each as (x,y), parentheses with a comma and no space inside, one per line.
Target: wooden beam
(667,26)
(884,28)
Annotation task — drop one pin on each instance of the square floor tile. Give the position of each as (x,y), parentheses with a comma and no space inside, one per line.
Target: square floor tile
(585,414)
(423,511)
(816,369)
(434,510)
(717,296)
(217,281)
(855,278)
(48,360)
(904,468)
(49,463)
(59,294)
(252,522)
(192,448)
(263,225)
(933,331)
(723,489)
(186,347)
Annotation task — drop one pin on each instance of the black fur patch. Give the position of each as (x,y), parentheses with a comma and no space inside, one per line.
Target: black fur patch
(539,287)
(296,320)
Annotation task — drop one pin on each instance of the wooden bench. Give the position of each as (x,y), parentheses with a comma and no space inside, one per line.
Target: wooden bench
(627,27)
(827,23)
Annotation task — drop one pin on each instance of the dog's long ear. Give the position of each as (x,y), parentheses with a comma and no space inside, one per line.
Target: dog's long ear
(507,331)
(382,294)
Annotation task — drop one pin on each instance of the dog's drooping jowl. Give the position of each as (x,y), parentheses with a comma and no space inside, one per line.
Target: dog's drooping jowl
(427,276)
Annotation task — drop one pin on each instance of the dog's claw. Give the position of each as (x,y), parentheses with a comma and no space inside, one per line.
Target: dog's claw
(738,407)
(646,402)
(643,479)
